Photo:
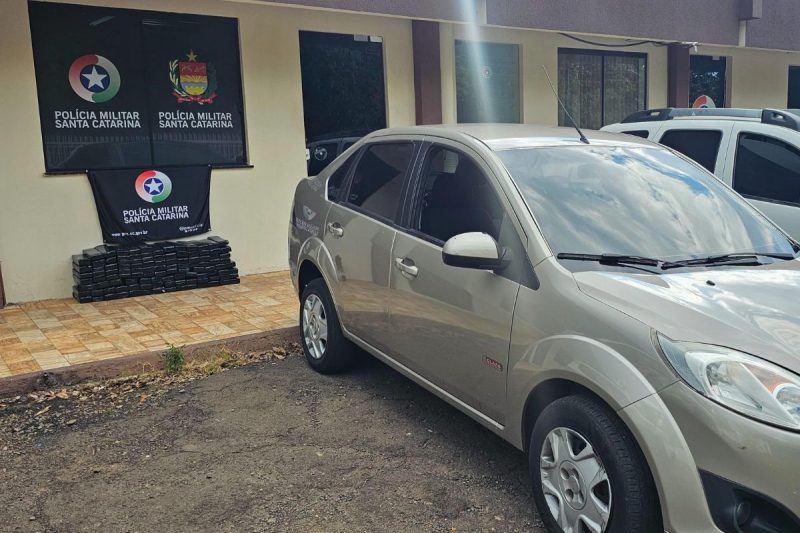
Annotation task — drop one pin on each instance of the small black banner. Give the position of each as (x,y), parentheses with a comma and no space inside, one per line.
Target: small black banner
(136,205)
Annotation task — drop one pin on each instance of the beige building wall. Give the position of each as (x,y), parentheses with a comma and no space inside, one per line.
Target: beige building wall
(756,78)
(537,48)
(46,219)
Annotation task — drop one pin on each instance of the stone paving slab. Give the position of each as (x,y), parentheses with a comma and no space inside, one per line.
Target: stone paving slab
(60,333)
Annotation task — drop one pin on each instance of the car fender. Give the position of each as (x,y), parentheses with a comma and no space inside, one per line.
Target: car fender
(313,249)
(677,478)
(578,359)
(609,375)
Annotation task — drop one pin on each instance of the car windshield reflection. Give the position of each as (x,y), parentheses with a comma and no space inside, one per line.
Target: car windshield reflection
(639,201)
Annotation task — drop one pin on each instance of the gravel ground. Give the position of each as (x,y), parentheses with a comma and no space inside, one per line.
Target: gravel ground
(271,446)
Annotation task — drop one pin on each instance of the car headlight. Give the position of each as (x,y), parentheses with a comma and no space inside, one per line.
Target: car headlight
(739,381)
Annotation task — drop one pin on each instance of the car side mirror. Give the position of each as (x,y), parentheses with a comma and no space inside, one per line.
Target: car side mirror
(475,250)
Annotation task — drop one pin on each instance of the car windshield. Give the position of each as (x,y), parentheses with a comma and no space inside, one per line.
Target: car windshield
(642,201)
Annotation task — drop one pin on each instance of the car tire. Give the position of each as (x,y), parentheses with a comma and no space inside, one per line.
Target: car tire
(327,350)
(577,437)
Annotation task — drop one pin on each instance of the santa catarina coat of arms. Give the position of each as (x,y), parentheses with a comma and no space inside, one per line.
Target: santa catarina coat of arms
(193,80)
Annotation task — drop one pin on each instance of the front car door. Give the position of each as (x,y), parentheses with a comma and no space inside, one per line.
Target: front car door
(764,165)
(452,325)
(359,232)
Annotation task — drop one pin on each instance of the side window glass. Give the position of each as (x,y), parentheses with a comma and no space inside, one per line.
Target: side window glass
(336,180)
(320,156)
(456,197)
(767,168)
(700,145)
(378,179)
(644,134)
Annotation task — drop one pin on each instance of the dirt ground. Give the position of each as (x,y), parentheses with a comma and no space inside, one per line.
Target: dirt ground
(271,446)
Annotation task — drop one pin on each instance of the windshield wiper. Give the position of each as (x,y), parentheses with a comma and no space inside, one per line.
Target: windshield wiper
(611,259)
(745,259)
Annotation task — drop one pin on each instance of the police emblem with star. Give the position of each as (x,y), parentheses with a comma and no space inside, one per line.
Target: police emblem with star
(153,186)
(94,78)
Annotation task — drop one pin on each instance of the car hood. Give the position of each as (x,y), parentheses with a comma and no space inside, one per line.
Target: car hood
(751,309)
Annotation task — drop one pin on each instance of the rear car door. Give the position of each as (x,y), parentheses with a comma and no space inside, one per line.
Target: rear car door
(359,233)
(452,325)
(764,165)
(703,141)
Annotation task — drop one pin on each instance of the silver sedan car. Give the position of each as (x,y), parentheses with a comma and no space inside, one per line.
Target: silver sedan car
(604,304)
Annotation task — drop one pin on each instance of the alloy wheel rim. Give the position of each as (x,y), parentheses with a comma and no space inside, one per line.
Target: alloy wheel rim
(575,483)
(315,326)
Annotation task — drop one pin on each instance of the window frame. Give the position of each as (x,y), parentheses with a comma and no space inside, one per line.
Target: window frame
(520,81)
(735,167)
(792,69)
(415,191)
(611,53)
(413,201)
(407,178)
(727,82)
(636,133)
(350,160)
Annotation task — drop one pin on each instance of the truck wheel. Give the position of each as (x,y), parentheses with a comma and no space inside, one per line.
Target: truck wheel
(588,472)
(327,350)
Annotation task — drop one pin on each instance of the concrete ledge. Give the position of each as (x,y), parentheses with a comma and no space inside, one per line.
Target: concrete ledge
(133,364)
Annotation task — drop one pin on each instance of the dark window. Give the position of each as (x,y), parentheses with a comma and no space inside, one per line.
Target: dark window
(320,155)
(599,87)
(699,145)
(707,79)
(767,168)
(794,88)
(336,180)
(378,179)
(121,88)
(455,197)
(487,82)
(644,134)
(344,93)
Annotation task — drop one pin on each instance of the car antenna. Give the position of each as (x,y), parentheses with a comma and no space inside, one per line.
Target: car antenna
(564,108)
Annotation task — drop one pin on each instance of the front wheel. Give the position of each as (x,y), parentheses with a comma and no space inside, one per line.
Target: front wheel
(327,350)
(588,473)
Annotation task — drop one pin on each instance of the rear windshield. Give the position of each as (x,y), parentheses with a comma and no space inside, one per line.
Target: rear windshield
(636,201)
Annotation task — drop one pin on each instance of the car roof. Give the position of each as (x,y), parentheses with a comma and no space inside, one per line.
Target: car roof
(785,118)
(510,136)
(704,118)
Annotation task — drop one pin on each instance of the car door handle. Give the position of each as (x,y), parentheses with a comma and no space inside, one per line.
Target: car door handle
(335,229)
(406,266)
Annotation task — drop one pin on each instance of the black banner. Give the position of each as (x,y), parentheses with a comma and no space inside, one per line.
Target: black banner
(136,205)
(122,88)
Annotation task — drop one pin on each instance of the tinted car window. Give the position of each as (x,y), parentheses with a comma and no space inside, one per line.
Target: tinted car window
(336,180)
(639,201)
(767,168)
(699,145)
(455,197)
(644,134)
(321,155)
(378,178)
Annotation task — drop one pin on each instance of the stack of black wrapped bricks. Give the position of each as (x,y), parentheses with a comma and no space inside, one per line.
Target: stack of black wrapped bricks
(111,271)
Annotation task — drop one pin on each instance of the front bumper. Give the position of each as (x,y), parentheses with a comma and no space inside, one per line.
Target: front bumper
(753,455)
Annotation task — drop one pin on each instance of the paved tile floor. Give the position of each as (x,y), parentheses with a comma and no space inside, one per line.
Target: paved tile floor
(58,333)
